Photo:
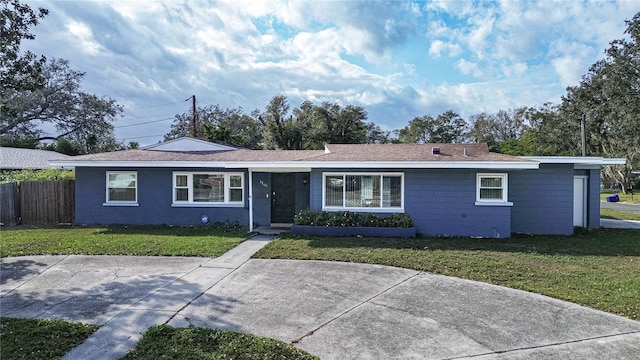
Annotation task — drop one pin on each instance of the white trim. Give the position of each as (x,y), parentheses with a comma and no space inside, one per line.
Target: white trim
(505,190)
(227,189)
(578,160)
(250,200)
(305,166)
(363,209)
(121,202)
(493,203)
(206,204)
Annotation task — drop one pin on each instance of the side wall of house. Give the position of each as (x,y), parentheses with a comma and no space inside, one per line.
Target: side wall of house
(593,198)
(542,199)
(440,202)
(155,188)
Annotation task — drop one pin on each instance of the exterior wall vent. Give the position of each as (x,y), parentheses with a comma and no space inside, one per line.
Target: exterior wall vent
(465,152)
(435,150)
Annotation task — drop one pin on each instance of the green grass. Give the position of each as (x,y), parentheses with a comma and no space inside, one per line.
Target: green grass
(623,197)
(599,269)
(40,338)
(166,342)
(121,240)
(619,215)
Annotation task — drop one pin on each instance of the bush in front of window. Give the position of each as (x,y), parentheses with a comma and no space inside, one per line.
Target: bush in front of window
(351,219)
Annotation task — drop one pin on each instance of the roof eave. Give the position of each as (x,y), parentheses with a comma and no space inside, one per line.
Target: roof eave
(306,164)
(577,160)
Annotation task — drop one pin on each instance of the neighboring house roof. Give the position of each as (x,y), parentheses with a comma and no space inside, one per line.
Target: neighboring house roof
(17,158)
(188,144)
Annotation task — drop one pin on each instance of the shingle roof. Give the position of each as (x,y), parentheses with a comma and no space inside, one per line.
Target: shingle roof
(16,158)
(332,153)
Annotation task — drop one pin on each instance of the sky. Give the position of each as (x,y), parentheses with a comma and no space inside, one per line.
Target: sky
(396,59)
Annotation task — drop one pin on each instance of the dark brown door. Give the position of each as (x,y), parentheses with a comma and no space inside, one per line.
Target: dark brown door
(283,198)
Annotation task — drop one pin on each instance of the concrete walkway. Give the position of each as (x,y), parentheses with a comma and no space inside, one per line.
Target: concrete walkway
(334,310)
(125,295)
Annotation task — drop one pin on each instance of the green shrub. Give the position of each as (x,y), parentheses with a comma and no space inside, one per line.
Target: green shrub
(350,219)
(36,175)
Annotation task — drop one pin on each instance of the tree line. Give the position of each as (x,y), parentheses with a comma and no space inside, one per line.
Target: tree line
(38,93)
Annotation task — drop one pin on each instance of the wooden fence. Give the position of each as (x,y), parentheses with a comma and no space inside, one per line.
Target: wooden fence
(37,202)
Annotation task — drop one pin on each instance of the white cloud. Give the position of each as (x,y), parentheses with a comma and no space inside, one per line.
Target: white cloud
(469,68)
(438,47)
(84,35)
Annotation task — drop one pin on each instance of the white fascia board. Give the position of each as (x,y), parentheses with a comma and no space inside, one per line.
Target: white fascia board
(307,165)
(578,160)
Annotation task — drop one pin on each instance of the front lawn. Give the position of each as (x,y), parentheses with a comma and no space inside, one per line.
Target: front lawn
(599,269)
(40,338)
(121,240)
(166,342)
(618,215)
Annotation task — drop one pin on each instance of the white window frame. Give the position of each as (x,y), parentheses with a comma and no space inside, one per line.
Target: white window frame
(191,203)
(109,202)
(503,201)
(380,209)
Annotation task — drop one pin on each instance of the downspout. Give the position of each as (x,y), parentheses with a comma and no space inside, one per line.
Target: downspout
(250,200)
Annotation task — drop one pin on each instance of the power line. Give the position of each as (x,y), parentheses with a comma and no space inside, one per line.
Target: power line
(140,137)
(142,123)
(154,106)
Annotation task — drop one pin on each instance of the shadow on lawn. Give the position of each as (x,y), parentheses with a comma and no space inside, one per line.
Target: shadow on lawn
(603,242)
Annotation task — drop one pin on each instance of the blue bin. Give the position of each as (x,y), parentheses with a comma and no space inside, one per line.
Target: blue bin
(613,198)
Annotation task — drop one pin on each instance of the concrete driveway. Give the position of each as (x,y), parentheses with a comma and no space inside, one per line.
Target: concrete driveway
(334,310)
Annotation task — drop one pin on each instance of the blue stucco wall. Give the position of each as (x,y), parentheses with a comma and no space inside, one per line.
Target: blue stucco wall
(154,199)
(542,200)
(441,202)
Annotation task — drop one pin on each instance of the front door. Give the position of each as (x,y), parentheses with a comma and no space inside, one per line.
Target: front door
(580,201)
(283,198)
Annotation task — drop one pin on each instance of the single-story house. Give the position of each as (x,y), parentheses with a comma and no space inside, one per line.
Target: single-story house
(448,189)
(18,158)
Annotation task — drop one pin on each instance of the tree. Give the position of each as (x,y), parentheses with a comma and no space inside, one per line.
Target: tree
(496,129)
(448,127)
(19,71)
(83,119)
(375,135)
(608,99)
(280,129)
(230,126)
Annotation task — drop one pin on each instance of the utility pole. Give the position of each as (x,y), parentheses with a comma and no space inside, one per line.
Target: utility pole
(583,135)
(193,127)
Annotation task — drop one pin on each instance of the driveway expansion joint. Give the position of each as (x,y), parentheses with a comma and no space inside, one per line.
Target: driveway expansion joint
(366,301)
(524,348)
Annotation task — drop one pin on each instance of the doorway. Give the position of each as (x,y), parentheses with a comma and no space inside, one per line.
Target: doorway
(283,198)
(580,201)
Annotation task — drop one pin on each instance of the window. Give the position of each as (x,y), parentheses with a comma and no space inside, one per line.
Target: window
(363,191)
(122,187)
(491,189)
(208,188)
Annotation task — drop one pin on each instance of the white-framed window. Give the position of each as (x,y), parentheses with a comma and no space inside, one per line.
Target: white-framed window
(491,189)
(205,188)
(363,191)
(122,188)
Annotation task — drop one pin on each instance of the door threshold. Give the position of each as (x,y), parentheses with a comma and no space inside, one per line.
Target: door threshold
(281,225)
